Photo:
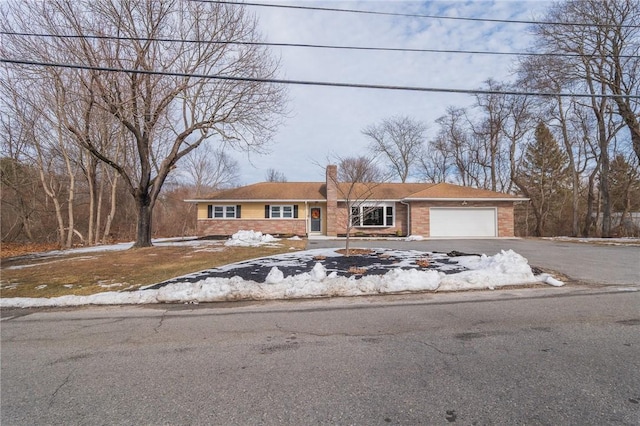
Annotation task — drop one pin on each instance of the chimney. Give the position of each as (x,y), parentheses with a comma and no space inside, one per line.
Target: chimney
(332,200)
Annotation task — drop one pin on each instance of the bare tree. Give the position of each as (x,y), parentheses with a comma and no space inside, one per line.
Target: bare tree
(18,178)
(400,141)
(159,93)
(355,186)
(434,165)
(209,169)
(612,49)
(359,169)
(456,144)
(605,61)
(273,175)
(488,131)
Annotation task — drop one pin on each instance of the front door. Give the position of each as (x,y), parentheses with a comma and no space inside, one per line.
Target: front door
(316,219)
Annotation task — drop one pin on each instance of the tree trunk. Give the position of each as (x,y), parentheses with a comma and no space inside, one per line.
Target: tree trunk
(575,175)
(635,139)
(91,183)
(144,218)
(98,215)
(112,212)
(629,117)
(605,189)
(49,191)
(70,201)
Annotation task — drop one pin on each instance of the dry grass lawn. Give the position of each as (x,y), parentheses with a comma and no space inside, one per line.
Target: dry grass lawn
(94,272)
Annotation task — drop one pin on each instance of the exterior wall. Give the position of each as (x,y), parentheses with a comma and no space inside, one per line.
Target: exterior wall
(202,211)
(249,210)
(252,218)
(506,226)
(420,215)
(399,228)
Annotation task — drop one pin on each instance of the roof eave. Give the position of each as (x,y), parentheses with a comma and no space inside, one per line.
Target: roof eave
(464,199)
(263,200)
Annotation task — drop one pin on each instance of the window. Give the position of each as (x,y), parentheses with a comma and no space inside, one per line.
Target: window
(372,215)
(281,212)
(223,212)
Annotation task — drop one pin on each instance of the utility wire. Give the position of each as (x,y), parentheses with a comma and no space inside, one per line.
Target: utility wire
(316,83)
(410,15)
(303,45)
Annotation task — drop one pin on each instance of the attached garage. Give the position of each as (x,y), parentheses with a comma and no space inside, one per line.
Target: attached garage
(463,222)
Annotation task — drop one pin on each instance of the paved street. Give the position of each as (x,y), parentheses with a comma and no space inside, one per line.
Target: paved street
(530,356)
(588,263)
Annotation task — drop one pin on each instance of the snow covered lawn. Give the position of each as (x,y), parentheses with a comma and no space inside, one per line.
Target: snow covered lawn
(321,273)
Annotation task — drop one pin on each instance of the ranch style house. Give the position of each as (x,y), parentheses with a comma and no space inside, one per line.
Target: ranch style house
(430,210)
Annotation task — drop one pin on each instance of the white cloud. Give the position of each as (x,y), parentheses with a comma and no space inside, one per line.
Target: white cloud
(326,119)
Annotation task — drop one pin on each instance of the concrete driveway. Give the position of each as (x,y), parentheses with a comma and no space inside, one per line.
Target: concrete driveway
(583,262)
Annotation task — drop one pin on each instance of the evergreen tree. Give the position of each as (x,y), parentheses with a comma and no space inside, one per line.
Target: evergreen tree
(625,191)
(543,176)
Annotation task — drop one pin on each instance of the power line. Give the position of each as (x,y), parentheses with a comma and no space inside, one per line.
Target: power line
(410,15)
(302,45)
(315,83)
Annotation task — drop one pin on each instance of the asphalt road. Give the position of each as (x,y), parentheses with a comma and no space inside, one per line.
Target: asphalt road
(533,356)
(586,263)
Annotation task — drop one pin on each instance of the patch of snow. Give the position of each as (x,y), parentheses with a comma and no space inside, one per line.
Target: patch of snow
(414,238)
(250,239)
(627,241)
(31,265)
(209,250)
(40,287)
(546,278)
(295,238)
(161,242)
(105,285)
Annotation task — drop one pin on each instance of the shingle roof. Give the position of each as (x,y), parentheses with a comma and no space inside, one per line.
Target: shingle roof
(381,191)
(316,191)
(447,190)
(286,191)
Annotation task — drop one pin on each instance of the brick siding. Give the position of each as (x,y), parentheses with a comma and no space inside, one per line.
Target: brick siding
(332,200)
(227,227)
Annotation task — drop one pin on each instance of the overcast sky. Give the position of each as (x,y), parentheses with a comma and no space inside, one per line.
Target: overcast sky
(329,120)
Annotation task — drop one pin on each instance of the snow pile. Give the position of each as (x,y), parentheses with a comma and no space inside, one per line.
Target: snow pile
(483,272)
(275,276)
(504,268)
(250,239)
(414,238)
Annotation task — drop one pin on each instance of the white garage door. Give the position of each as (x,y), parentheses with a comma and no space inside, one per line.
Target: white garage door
(463,222)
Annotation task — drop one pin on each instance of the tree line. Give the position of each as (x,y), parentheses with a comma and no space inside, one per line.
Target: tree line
(90,154)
